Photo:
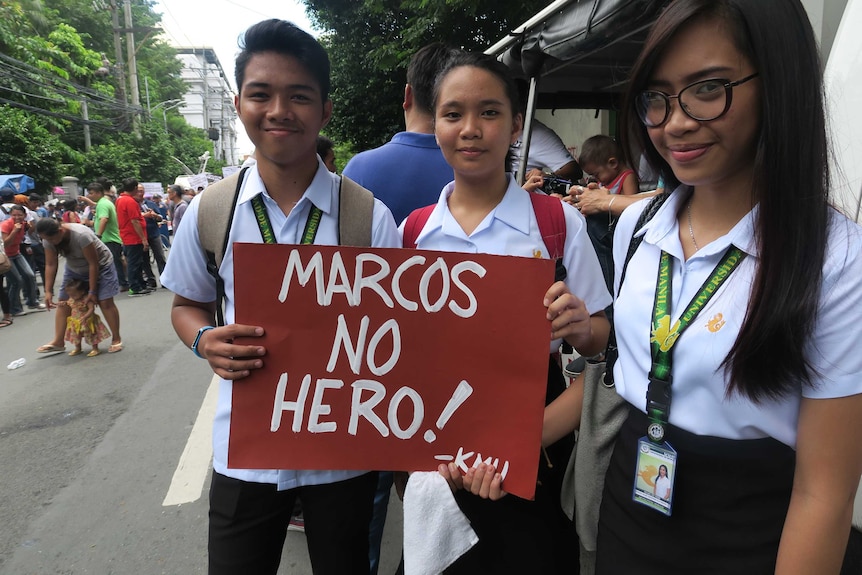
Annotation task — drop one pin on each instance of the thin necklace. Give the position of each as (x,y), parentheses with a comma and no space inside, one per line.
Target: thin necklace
(690,230)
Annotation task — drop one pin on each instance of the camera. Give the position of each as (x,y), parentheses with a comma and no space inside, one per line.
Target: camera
(555,185)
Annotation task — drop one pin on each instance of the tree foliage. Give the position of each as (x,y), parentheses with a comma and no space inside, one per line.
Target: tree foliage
(29,148)
(370,43)
(55,56)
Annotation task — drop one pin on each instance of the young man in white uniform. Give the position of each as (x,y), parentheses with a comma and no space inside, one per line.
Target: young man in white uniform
(283,78)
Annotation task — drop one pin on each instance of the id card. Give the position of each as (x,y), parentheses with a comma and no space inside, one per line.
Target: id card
(654,475)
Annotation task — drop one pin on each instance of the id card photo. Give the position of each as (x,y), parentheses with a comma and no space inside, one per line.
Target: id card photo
(656,468)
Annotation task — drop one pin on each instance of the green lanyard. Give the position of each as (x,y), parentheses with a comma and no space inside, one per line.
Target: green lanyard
(262,217)
(664,335)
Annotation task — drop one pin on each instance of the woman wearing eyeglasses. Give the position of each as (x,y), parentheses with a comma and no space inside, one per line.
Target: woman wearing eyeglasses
(738,320)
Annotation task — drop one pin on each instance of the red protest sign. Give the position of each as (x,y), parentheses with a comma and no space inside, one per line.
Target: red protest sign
(391,359)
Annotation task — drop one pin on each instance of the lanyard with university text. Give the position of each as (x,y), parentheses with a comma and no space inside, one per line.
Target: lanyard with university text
(664,335)
(265,226)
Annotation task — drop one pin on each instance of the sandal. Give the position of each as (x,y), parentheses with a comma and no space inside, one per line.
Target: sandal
(5,322)
(48,348)
(75,352)
(94,353)
(115,347)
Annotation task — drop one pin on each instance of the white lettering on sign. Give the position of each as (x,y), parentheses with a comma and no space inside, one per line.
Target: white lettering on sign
(355,352)
(361,408)
(337,282)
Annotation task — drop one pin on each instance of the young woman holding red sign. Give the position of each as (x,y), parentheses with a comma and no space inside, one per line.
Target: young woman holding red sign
(484,210)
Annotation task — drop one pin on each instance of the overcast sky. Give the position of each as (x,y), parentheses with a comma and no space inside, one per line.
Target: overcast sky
(216,24)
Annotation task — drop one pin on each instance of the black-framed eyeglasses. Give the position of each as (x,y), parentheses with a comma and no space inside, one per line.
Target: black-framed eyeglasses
(703,100)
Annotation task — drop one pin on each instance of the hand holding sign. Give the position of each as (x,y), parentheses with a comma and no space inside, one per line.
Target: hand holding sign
(229,360)
(391,359)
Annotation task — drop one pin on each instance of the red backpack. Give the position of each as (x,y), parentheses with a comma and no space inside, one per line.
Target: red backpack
(549,216)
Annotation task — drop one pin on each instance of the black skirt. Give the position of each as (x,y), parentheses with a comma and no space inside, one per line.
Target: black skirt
(730,501)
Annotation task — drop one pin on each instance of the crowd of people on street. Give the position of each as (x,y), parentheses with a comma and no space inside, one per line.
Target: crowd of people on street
(104,250)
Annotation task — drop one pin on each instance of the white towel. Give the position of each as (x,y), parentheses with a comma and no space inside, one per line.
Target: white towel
(436,532)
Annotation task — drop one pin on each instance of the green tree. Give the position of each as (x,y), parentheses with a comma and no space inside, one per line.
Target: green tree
(28,147)
(370,44)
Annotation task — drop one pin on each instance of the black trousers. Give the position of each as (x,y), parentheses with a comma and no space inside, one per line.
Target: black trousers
(117,253)
(135,261)
(248,524)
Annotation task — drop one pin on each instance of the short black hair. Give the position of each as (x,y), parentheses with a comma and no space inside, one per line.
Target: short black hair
(599,150)
(324,144)
(95,187)
(130,185)
(425,65)
(285,38)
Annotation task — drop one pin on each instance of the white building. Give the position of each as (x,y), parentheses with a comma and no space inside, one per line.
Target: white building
(209,100)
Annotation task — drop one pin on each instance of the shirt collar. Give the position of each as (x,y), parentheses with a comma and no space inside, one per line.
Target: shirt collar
(513,210)
(416,139)
(319,192)
(663,229)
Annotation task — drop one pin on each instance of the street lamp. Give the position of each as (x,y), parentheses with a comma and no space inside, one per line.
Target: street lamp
(166,105)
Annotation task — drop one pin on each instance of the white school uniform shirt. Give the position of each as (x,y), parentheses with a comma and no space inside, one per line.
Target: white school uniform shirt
(186,275)
(511,229)
(698,401)
(662,484)
(547,150)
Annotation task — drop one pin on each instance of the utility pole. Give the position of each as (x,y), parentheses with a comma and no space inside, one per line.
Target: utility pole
(133,69)
(118,54)
(86,116)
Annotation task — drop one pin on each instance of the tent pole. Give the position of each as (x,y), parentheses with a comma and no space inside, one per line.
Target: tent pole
(528,130)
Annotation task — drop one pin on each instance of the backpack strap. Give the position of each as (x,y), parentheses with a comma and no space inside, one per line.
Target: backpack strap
(413,225)
(357,204)
(552,223)
(611,353)
(215,217)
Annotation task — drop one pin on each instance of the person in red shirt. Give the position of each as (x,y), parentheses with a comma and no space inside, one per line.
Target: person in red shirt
(21,275)
(133,234)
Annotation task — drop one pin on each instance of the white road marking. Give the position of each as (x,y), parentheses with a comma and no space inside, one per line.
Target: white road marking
(188,482)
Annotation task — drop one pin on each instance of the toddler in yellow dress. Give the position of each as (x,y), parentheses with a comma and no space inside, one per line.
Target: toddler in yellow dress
(84,324)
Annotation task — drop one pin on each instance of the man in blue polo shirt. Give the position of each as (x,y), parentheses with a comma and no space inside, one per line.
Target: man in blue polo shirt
(409,171)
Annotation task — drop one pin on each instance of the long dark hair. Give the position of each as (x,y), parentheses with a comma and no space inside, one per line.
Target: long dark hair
(769,358)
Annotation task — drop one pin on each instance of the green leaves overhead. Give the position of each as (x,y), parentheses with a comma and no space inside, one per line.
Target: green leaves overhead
(370,43)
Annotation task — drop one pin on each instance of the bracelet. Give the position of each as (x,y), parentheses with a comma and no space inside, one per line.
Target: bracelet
(610,214)
(610,203)
(92,292)
(201,331)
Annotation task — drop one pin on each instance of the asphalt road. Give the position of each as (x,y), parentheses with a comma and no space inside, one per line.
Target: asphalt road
(91,448)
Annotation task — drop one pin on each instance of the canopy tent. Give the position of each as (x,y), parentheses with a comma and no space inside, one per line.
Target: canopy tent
(580,51)
(576,54)
(19,182)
